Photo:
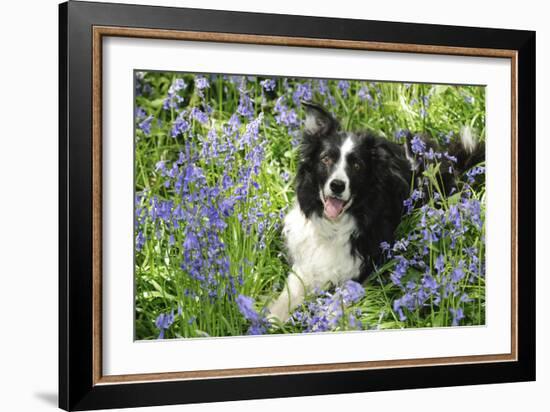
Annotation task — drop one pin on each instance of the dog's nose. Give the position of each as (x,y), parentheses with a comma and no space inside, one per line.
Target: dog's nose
(337,186)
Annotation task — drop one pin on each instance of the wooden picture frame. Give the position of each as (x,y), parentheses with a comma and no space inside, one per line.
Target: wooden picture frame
(83,26)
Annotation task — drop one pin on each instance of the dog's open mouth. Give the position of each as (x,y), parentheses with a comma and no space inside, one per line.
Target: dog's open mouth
(334,207)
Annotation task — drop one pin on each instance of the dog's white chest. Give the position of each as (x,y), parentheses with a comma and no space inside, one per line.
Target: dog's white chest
(320,249)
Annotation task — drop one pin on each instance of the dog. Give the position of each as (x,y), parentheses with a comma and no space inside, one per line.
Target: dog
(350,189)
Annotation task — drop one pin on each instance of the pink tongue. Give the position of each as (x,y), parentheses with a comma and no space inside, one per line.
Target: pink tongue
(333,207)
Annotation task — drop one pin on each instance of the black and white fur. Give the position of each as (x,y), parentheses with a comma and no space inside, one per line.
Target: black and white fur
(350,189)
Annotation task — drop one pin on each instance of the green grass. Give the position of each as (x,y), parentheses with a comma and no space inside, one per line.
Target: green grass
(254,262)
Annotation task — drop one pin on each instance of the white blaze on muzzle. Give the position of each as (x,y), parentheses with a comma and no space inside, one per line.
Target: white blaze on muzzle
(335,203)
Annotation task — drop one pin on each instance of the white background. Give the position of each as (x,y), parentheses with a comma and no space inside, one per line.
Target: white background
(123,356)
(28,208)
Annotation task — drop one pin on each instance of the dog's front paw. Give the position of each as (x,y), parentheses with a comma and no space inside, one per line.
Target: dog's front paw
(277,314)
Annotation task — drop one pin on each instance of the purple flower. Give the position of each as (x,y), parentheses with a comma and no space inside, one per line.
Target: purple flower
(285,175)
(145,125)
(140,241)
(429,282)
(431,155)
(454,216)
(201,83)
(458,315)
(329,310)
(417,145)
(458,273)
(351,292)
(258,323)
(400,270)
(257,329)
(285,116)
(163,322)
(473,172)
(364,94)
(400,135)
(191,242)
(450,158)
(303,92)
(400,245)
(246,106)
(173,99)
(399,304)
(140,113)
(344,86)
(161,166)
(268,84)
(246,307)
(199,115)
(180,126)
(440,264)
(385,247)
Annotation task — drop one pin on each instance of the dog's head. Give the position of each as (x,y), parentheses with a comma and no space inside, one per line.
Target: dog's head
(339,170)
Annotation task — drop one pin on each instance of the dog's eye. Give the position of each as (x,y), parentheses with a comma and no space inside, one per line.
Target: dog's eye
(356,166)
(326,160)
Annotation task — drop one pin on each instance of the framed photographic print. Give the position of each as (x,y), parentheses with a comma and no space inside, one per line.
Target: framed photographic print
(258,205)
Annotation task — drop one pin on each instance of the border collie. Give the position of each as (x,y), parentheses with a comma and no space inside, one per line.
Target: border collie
(350,189)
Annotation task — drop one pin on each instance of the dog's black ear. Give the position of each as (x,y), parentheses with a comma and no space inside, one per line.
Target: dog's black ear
(318,121)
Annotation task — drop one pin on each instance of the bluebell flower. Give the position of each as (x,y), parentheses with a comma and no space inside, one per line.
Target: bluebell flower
(191,241)
(329,310)
(163,322)
(173,99)
(473,172)
(351,292)
(409,205)
(201,83)
(440,264)
(257,329)
(398,305)
(450,158)
(246,307)
(417,145)
(246,106)
(454,216)
(140,113)
(399,270)
(344,86)
(400,245)
(364,94)
(199,115)
(465,298)
(457,273)
(268,84)
(400,135)
(145,125)
(429,282)
(303,92)
(284,115)
(458,315)
(258,323)
(140,241)
(161,166)
(180,126)
(431,154)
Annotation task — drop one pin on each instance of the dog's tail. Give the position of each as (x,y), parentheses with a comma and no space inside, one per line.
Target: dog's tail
(469,151)
(460,156)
